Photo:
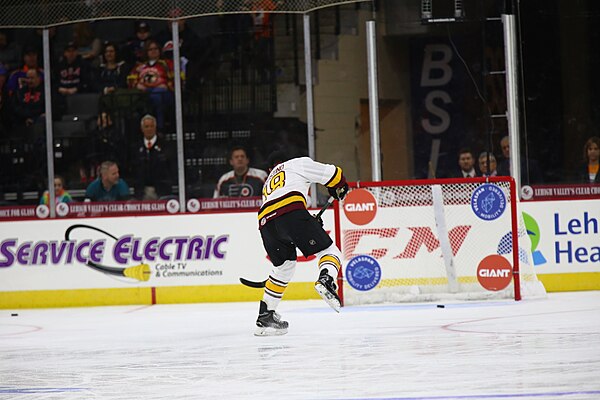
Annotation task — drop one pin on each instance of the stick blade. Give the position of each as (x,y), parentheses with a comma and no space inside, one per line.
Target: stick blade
(252,284)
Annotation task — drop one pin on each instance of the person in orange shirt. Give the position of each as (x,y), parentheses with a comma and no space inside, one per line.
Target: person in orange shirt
(589,171)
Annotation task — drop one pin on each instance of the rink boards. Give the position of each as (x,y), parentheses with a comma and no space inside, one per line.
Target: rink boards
(200,257)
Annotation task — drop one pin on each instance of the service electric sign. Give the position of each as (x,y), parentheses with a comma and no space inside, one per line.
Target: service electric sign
(565,235)
(170,250)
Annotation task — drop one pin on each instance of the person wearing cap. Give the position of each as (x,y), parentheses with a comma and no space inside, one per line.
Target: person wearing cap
(133,50)
(72,75)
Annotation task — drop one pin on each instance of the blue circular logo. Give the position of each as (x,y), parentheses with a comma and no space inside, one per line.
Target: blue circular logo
(488,202)
(363,273)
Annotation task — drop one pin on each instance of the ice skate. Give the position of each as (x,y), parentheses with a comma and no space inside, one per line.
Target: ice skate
(269,323)
(327,289)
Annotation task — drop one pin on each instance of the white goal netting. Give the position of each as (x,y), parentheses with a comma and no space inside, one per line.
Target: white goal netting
(435,240)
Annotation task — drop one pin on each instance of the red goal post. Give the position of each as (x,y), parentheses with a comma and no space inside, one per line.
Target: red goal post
(432,240)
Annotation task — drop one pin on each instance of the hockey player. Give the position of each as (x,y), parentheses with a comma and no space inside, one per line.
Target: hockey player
(285,224)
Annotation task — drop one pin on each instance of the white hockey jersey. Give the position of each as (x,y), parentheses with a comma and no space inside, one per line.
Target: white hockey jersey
(286,187)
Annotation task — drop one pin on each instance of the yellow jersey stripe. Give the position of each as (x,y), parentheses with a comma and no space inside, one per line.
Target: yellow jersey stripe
(282,203)
(336,178)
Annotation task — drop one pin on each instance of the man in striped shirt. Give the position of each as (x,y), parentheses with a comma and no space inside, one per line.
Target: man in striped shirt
(285,224)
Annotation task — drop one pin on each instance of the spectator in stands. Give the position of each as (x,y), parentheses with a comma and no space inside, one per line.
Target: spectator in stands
(108,186)
(111,76)
(242,181)
(28,101)
(152,169)
(112,72)
(134,49)
(188,40)
(72,72)
(72,76)
(530,169)
(17,78)
(10,54)
(483,164)
(589,171)
(60,194)
(466,164)
(504,163)
(88,45)
(155,77)
(190,45)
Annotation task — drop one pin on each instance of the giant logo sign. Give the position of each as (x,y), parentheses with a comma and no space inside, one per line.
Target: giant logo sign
(360,207)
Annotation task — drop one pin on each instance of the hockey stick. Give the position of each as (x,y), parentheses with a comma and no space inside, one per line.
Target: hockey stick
(139,272)
(261,284)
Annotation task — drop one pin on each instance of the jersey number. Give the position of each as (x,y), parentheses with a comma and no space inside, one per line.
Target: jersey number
(276,182)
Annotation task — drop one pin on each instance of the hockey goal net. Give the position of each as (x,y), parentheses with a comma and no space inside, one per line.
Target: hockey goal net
(429,240)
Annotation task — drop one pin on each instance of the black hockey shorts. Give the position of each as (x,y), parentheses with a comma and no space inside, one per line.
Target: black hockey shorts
(298,229)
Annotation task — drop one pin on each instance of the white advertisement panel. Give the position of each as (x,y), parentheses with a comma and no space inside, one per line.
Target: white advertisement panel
(170,250)
(565,235)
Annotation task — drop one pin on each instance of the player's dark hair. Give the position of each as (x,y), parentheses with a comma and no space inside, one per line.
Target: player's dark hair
(277,157)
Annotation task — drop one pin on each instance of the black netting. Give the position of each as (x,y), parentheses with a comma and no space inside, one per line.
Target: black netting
(43,13)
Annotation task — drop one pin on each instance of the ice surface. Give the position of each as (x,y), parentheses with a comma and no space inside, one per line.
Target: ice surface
(537,349)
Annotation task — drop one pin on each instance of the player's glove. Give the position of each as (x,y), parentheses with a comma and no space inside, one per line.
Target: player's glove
(340,192)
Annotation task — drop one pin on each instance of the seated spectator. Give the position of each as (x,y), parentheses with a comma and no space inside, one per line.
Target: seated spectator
(28,102)
(72,72)
(134,49)
(108,186)
(190,44)
(589,171)
(155,77)
(60,194)
(112,72)
(188,40)
(152,169)
(17,78)
(483,164)
(530,169)
(167,52)
(242,181)
(504,163)
(72,76)
(466,164)
(88,45)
